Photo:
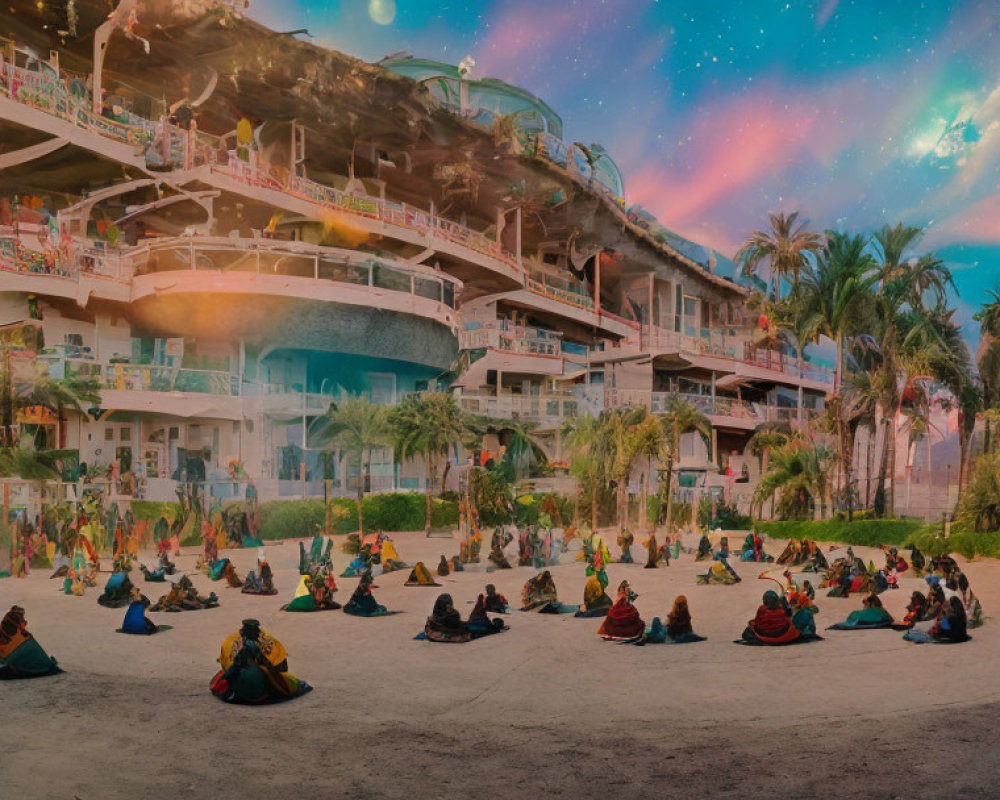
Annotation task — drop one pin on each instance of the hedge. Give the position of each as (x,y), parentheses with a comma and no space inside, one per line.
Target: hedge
(864,533)
(963,541)
(294,519)
(150,511)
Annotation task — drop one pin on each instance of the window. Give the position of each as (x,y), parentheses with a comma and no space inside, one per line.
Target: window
(109,434)
(125,434)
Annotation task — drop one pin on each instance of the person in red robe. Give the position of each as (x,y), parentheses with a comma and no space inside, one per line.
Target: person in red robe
(623,621)
(773,622)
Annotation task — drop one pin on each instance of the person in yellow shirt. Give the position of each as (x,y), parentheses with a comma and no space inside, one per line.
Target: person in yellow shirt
(255,669)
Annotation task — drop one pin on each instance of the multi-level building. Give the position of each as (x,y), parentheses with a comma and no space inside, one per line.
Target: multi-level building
(229,228)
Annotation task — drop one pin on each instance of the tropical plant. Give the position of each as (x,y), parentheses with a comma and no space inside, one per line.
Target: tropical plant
(680,417)
(799,474)
(429,426)
(784,248)
(979,507)
(590,448)
(356,427)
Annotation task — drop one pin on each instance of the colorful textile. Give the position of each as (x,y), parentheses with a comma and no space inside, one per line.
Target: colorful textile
(313,594)
(420,576)
(136,622)
(254,670)
(720,573)
(445,623)
(623,621)
(117,591)
(20,655)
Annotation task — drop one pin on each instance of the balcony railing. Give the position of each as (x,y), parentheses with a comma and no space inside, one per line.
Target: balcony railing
(722,345)
(547,407)
(144,378)
(66,97)
(264,256)
(659,402)
(525,340)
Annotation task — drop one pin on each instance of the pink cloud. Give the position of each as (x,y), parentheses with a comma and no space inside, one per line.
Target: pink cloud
(979,222)
(730,149)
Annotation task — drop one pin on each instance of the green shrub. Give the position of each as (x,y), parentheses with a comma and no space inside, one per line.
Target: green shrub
(864,533)
(150,511)
(963,540)
(403,511)
(292,519)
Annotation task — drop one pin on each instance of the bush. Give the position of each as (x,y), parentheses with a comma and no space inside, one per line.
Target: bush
(293,519)
(150,511)
(864,533)
(963,540)
(403,511)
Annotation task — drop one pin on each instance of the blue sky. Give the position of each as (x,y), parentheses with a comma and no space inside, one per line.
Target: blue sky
(854,113)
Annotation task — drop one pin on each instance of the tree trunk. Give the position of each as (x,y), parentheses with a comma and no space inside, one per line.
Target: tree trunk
(872,432)
(892,463)
(593,507)
(670,496)
(881,500)
(431,470)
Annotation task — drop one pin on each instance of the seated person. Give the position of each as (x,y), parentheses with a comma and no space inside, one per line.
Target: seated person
(443,569)
(224,568)
(495,603)
(625,539)
(772,623)
(917,560)
(539,594)
(916,610)
(499,541)
(136,621)
(420,576)
(596,602)
(652,552)
(480,624)
(719,573)
(445,623)
(255,669)
(117,591)
(20,655)
(623,622)
(184,597)
(390,558)
(953,624)
(261,580)
(362,602)
(314,593)
(872,615)
(678,629)
(704,549)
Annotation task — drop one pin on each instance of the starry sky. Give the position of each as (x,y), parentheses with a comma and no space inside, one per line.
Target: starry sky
(854,112)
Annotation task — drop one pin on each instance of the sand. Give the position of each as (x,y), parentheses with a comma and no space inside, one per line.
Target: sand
(544,708)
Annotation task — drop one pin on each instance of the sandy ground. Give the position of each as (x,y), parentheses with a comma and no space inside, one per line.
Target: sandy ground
(545,708)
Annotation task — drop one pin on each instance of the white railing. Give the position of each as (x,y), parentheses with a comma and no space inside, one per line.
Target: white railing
(524,340)
(548,407)
(143,377)
(719,406)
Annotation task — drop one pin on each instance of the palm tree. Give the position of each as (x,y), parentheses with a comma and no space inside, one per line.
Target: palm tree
(679,418)
(798,470)
(766,437)
(428,426)
(784,247)
(356,427)
(911,334)
(589,445)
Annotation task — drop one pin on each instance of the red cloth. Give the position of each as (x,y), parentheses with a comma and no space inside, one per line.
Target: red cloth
(771,622)
(622,621)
